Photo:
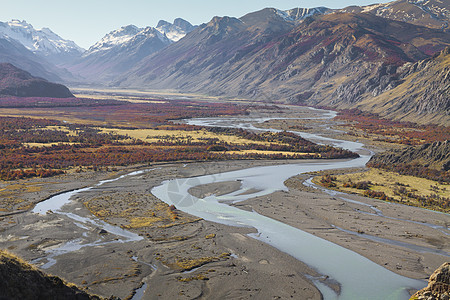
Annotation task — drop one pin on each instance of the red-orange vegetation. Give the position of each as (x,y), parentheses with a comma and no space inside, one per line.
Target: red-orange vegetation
(406,133)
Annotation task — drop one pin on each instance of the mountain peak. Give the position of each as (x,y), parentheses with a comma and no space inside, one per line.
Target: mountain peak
(43,42)
(175,31)
(298,13)
(115,38)
(16,22)
(183,24)
(162,23)
(126,30)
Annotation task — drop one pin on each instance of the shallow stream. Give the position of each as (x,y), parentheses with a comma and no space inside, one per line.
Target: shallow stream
(359,277)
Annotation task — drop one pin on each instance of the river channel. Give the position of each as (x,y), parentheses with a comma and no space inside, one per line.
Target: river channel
(358,277)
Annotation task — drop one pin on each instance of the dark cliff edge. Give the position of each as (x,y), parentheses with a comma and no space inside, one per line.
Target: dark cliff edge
(20,280)
(438,285)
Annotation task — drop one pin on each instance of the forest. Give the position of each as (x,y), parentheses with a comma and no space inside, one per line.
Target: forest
(369,125)
(37,147)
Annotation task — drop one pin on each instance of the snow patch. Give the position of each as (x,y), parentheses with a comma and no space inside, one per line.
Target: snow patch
(297,14)
(43,41)
(128,35)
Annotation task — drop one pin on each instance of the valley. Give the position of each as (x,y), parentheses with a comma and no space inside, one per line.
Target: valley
(194,256)
(295,153)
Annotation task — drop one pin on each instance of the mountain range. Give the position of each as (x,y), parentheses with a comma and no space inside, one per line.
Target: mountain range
(389,58)
(335,60)
(36,51)
(125,47)
(43,42)
(429,13)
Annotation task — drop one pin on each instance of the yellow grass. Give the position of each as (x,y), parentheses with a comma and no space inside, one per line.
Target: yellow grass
(386,182)
(188,264)
(153,135)
(92,92)
(191,263)
(20,188)
(134,215)
(40,145)
(140,222)
(268,152)
(118,98)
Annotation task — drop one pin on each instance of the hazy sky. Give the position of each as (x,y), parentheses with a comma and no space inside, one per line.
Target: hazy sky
(87,21)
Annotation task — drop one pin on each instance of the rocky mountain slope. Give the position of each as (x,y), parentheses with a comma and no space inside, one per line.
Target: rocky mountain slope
(334,59)
(429,13)
(124,48)
(19,280)
(377,58)
(19,83)
(433,156)
(418,92)
(13,52)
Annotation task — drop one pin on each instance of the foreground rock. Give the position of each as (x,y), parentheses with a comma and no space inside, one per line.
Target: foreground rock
(19,280)
(438,285)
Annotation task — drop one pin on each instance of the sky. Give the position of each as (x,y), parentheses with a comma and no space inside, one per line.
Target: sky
(86,21)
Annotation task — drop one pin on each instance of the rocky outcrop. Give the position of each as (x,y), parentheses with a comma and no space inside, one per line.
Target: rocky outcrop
(19,83)
(417,92)
(434,156)
(438,285)
(19,280)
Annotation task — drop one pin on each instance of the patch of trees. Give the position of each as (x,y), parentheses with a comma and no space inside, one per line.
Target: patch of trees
(154,113)
(424,201)
(360,185)
(390,131)
(28,130)
(7,174)
(283,141)
(271,137)
(328,181)
(377,195)
(414,170)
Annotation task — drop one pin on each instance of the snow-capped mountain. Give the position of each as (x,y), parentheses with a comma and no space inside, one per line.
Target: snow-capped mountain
(122,49)
(429,13)
(42,42)
(175,31)
(126,41)
(116,38)
(15,53)
(126,36)
(297,14)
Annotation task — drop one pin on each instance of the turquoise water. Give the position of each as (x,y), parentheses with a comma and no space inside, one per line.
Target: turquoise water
(359,277)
